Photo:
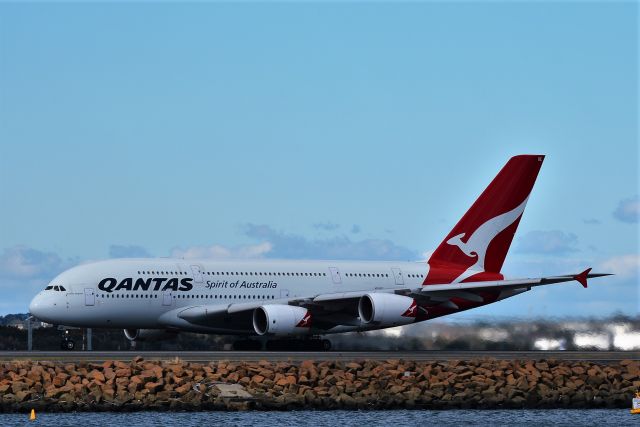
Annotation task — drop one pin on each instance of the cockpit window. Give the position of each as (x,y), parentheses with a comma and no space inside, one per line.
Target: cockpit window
(56,288)
(62,288)
(48,288)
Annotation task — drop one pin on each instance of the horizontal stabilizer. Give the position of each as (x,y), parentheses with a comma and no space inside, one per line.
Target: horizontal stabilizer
(516,283)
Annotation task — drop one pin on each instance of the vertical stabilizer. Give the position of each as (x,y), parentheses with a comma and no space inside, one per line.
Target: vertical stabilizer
(478,244)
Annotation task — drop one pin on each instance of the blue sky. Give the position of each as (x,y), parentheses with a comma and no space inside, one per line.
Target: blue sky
(317,131)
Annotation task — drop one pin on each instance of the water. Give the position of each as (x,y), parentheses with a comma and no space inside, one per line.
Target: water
(541,417)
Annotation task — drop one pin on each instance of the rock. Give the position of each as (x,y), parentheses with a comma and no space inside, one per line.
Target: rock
(108,394)
(578,370)
(324,385)
(18,386)
(153,387)
(22,395)
(542,366)
(109,374)
(8,398)
(96,375)
(185,388)
(123,372)
(353,366)
(148,375)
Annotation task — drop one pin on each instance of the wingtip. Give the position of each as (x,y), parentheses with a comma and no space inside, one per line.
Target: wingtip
(582,277)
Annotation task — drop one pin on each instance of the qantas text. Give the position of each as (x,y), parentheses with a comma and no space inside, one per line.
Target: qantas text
(110,284)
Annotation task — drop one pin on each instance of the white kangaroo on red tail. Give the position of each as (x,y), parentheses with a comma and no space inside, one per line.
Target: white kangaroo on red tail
(477,244)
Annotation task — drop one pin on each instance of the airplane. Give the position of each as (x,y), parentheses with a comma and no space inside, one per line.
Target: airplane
(303,300)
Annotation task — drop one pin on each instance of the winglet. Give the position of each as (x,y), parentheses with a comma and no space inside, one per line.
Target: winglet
(582,277)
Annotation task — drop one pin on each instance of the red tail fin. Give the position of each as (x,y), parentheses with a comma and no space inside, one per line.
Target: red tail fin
(478,244)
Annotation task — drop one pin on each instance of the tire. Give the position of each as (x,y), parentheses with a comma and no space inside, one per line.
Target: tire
(69,345)
(326,345)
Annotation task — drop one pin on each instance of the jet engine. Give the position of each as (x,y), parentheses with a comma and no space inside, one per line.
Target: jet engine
(387,310)
(149,334)
(280,319)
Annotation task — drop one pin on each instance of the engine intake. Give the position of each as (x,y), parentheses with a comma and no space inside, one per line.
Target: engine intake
(149,334)
(280,320)
(387,310)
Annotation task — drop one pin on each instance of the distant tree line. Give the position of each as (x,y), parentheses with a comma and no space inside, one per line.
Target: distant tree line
(520,335)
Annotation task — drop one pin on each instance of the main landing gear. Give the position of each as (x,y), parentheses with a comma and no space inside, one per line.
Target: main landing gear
(67,343)
(314,344)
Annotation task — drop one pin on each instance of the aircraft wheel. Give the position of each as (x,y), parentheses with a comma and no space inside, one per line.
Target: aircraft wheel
(68,345)
(326,345)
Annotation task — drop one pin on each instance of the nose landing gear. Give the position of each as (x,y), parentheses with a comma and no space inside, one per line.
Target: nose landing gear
(67,343)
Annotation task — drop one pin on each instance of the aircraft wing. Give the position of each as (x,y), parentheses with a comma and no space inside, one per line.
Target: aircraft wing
(331,305)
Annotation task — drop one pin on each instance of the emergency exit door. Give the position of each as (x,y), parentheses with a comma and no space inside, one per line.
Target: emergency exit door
(89,296)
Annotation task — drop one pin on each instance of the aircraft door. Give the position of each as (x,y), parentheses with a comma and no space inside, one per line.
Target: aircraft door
(89,296)
(335,275)
(397,275)
(167,298)
(197,273)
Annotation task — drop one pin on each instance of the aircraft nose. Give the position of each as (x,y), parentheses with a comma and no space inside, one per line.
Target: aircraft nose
(35,307)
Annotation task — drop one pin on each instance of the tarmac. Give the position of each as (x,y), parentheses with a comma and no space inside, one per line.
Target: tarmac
(298,356)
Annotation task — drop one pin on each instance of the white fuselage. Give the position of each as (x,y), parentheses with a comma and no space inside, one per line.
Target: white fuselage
(147,293)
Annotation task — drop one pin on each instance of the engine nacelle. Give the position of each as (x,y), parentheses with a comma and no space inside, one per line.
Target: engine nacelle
(280,319)
(387,310)
(149,334)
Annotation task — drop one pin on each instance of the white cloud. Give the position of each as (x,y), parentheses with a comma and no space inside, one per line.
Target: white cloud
(223,252)
(339,247)
(22,262)
(623,266)
(628,210)
(23,272)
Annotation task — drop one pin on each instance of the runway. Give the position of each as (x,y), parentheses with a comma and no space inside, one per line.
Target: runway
(298,356)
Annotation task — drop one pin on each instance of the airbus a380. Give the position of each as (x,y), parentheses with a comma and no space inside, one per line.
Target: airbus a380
(150,297)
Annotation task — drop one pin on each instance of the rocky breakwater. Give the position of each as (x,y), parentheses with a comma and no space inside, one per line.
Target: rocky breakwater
(224,385)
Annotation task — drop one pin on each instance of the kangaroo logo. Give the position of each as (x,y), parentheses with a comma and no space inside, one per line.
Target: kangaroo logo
(305,322)
(412,310)
(477,244)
